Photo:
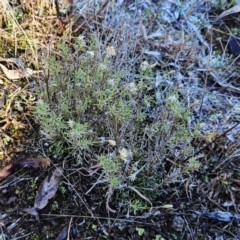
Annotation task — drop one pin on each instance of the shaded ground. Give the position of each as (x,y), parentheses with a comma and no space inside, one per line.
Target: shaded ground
(176,36)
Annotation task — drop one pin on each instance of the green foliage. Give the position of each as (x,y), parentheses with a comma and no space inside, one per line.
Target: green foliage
(87,101)
(111,168)
(140,231)
(137,205)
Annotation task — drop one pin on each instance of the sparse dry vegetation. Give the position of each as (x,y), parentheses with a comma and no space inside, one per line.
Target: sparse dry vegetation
(136,103)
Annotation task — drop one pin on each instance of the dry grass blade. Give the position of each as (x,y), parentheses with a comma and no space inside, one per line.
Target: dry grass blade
(109,194)
(232,10)
(11,100)
(9,14)
(5,113)
(142,196)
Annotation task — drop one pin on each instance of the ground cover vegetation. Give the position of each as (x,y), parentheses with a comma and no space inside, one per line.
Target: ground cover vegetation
(134,104)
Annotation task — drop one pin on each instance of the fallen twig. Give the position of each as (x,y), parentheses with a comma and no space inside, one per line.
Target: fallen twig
(217,138)
(83,25)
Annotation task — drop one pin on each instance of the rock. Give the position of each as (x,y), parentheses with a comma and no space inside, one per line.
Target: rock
(178,223)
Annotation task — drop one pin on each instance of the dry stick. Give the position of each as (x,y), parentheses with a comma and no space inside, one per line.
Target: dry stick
(105,218)
(59,16)
(3,99)
(213,141)
(69,228)
(82,26)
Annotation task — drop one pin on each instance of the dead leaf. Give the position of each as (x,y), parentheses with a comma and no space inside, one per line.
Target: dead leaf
(33,211)
(232,10)
(234,44)
(156,54)
(112,142)
(34,162)
(46,191)
(48,188)
(16,73)
(63,234)
(24,162)
(19,73)
(221,216)
(4,172)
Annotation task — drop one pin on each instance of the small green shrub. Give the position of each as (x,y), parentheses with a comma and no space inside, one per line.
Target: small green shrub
(91,109)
